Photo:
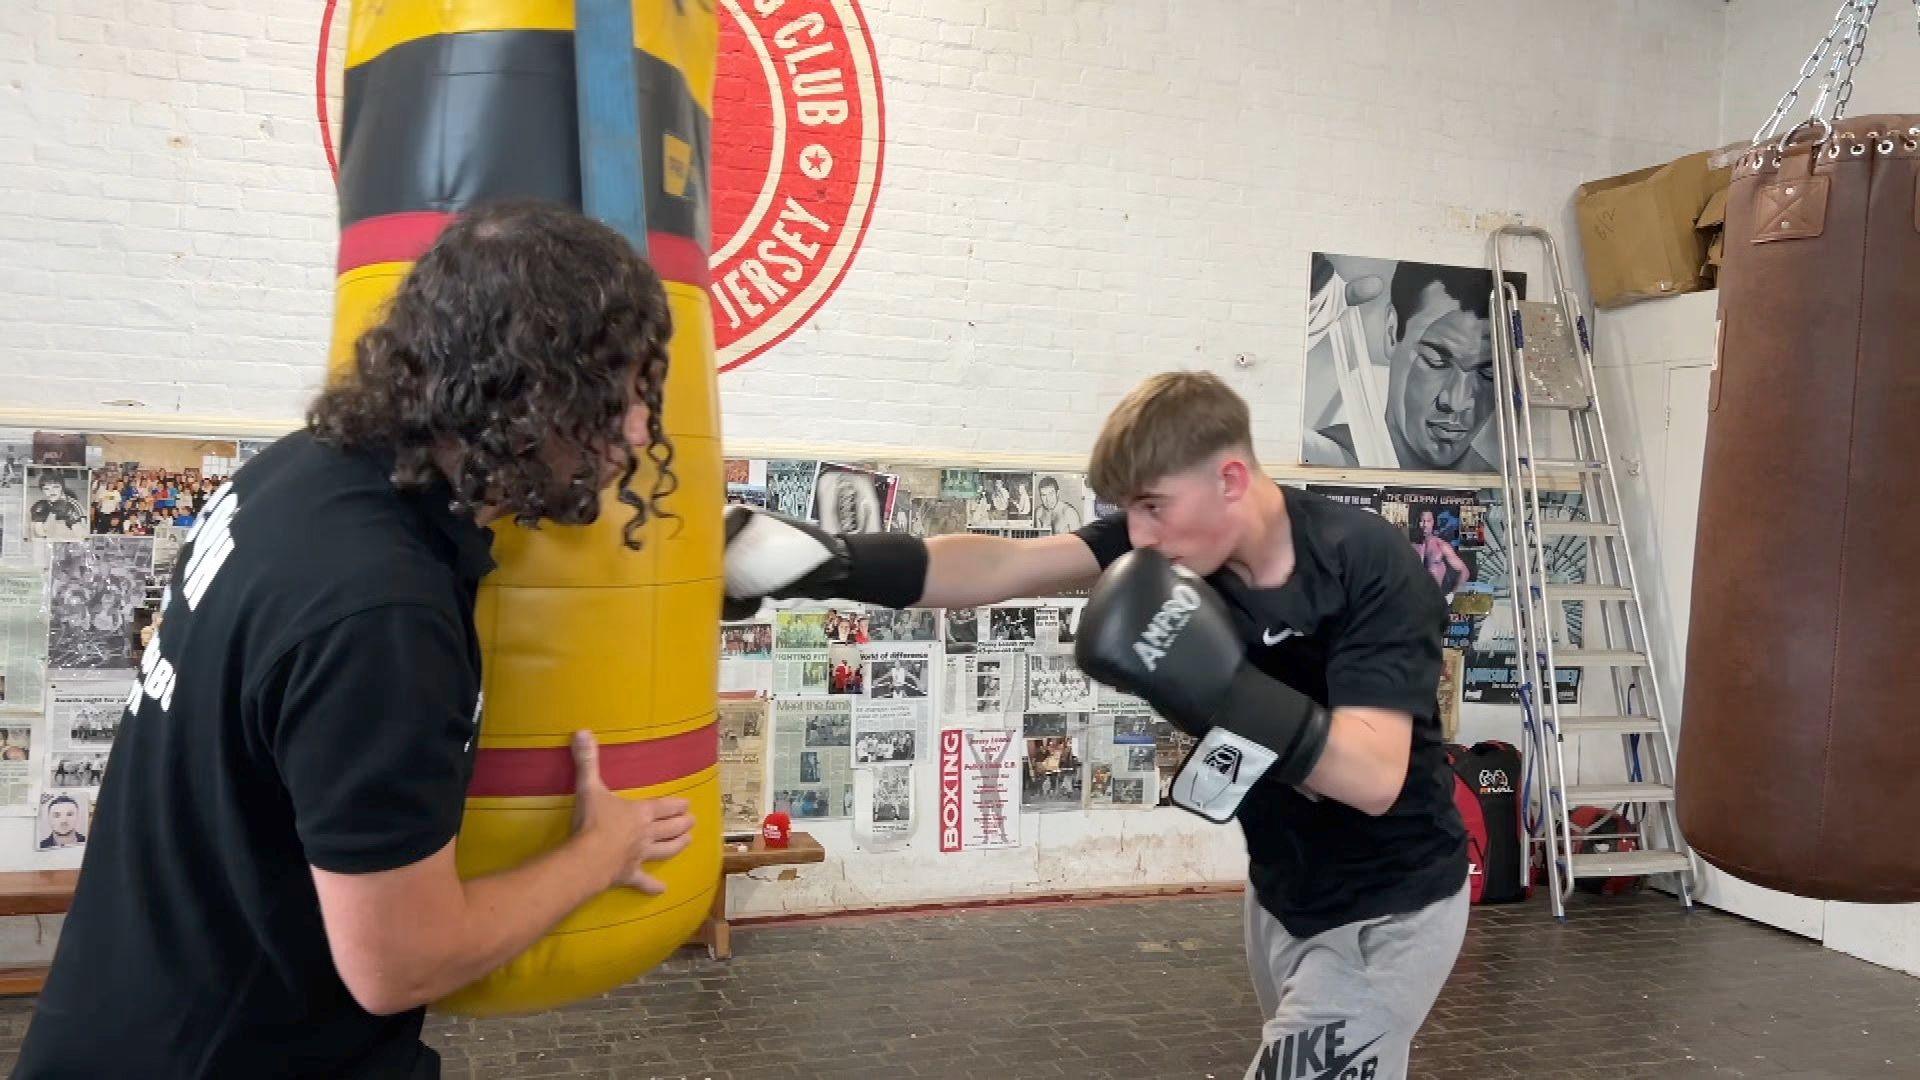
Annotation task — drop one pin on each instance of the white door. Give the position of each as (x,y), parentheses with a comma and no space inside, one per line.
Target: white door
(1686,445)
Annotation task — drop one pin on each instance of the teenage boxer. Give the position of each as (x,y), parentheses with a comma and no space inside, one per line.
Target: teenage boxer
(1297,638)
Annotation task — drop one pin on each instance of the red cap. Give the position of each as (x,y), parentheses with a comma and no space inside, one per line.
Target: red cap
(776,829)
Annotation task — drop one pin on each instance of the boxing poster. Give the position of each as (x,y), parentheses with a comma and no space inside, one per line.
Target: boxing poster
(979,789)
(1399,366)
(1446,530)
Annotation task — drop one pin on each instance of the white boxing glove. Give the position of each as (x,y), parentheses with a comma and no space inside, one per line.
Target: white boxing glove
(773,556)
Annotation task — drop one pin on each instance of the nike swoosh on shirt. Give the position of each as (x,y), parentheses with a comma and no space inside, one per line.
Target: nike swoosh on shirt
(1272,638)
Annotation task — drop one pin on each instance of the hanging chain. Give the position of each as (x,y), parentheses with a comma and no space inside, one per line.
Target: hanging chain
(1844,63)
(1841,20)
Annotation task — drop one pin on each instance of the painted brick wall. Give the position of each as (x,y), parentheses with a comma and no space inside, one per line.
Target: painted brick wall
(1075,194)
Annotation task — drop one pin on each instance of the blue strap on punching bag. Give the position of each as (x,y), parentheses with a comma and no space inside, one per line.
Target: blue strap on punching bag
(607,87)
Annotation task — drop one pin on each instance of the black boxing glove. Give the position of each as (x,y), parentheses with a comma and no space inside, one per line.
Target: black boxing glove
(1159,632)
(771,555)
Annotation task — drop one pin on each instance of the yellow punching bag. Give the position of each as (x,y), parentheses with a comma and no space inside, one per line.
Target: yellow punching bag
(451,102)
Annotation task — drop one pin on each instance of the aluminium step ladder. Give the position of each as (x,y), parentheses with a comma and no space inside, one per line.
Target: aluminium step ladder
(1553,443)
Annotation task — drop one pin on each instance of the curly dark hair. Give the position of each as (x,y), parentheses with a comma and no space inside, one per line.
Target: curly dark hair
(516,345)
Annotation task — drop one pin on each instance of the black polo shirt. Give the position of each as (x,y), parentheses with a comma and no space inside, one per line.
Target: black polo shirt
(311,698)
(1358,623)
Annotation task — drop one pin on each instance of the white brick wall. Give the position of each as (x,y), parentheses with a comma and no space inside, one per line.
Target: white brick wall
(1075,195)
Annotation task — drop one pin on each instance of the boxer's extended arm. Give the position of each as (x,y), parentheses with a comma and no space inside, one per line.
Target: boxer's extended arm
(772,556)
(967,569)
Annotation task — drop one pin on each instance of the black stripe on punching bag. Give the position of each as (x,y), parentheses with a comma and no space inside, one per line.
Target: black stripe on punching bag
(442,122)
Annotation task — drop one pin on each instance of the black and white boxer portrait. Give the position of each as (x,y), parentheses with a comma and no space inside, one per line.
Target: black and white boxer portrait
(1399,366)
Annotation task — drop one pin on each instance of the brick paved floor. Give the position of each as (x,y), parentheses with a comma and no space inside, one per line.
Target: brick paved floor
(1628,987)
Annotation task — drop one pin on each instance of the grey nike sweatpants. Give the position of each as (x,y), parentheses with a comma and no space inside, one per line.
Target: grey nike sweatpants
(1344,1004)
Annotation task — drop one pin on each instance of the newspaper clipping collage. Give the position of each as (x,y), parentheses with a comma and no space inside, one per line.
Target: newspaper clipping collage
(827,711)
(89,529)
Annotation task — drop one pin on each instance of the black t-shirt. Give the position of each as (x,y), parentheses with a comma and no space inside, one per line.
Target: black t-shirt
(1358,623)
(311,697)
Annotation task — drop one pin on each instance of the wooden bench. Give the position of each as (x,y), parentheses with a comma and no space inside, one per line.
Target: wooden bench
(33,892)
(740,858)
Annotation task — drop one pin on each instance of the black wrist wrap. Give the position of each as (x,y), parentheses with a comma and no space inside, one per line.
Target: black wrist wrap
(889,569)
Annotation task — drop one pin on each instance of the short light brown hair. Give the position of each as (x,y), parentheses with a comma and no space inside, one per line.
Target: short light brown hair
(1168,424)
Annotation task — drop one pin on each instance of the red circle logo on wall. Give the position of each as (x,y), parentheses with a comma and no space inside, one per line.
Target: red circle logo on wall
(797,125)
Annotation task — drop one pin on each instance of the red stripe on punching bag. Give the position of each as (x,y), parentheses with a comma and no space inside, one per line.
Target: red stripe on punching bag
(405,237)
(676,258)
(507,772)
(389,238)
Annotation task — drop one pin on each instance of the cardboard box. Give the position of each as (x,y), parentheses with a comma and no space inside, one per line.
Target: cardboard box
(1711,225)
(1638,230)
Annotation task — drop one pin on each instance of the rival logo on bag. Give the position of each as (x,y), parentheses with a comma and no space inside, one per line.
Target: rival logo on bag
(798,132)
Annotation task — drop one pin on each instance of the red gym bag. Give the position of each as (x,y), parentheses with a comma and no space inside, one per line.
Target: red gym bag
(1486,788)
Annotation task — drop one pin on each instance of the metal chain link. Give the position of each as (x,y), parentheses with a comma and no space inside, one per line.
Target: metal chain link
(1844,64)
(1841,19)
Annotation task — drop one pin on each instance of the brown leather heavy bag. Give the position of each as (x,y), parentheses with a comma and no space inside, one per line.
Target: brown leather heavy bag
(1799,764)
